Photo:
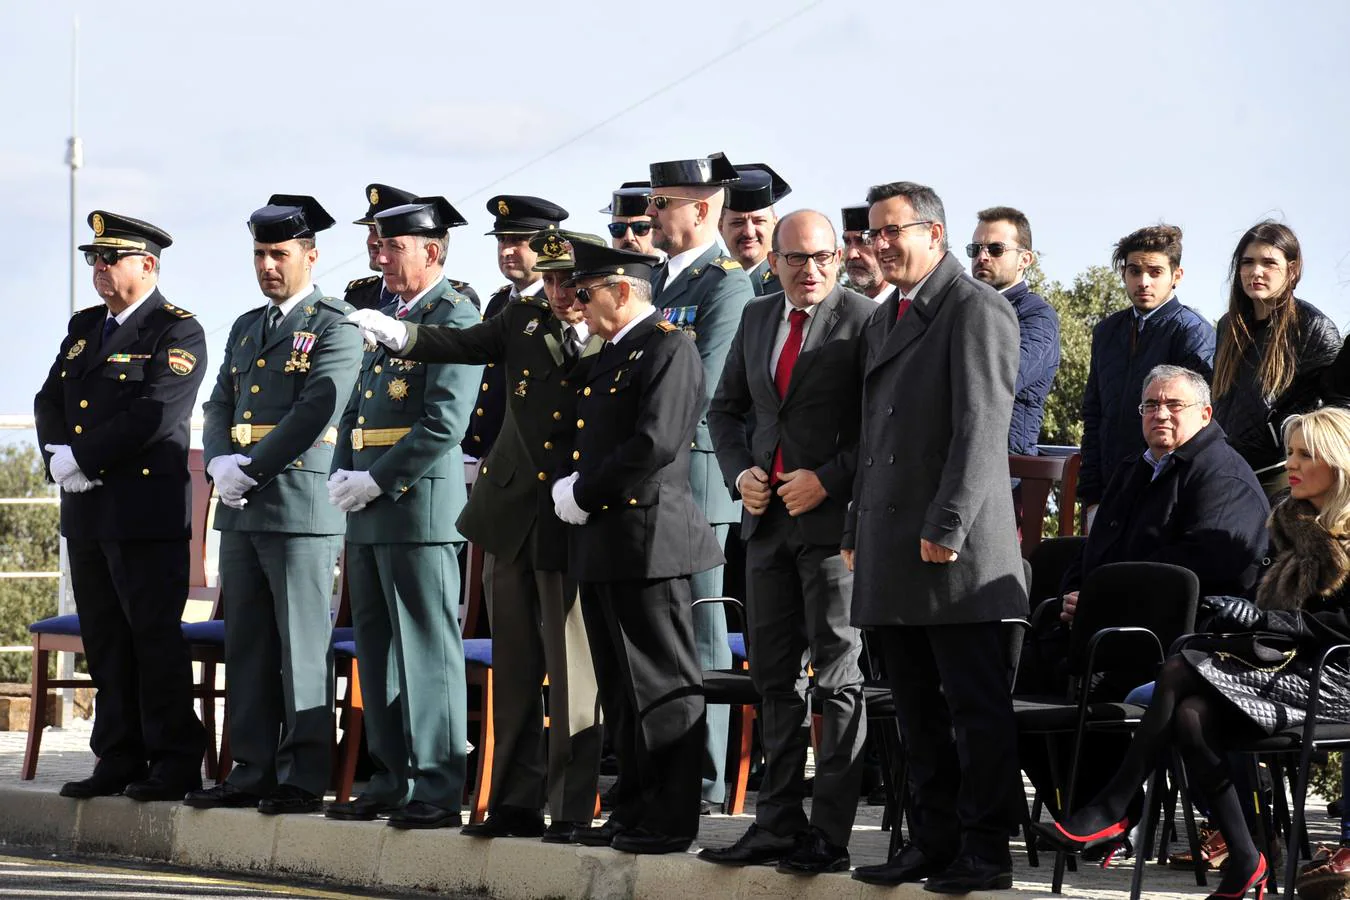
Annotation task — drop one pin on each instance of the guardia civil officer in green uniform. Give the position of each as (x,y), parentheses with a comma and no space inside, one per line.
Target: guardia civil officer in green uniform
(112,421)
(639,536)
(271,425)
(748,221)
(399,475)
(517,218)
(544,347)
(371,292)
(702,291)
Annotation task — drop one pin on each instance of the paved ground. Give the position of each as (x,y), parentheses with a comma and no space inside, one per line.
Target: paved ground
(65,756)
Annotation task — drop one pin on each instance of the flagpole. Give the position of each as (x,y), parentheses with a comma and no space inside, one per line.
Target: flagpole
(74,149)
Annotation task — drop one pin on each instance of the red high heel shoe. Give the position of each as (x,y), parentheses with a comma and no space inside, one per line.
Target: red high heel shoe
(1056,834)
(1258,881)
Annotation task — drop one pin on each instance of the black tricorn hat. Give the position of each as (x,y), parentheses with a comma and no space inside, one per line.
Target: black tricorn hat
(855,217)
(382,197)
(590,260)
(630,199)
(555,248)
(424,215)
(115,232)
(713,169)
(287,217)
(759,188)
(520,214)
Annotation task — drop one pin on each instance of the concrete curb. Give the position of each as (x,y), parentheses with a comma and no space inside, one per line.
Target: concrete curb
(372,854)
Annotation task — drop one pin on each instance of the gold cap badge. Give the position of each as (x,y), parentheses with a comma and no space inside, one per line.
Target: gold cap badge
(98,225)
(554,247)
(374,195)
(502,208)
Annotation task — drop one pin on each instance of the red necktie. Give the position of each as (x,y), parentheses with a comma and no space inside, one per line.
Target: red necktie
(402,311)
(901,308)
(782,373)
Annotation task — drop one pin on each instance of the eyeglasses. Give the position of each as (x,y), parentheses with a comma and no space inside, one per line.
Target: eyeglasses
(619,229)
(892,232)
(109,257)
(821,259)
(585,294)
(661,201)
(861,239)
(995,250)
(1151,407)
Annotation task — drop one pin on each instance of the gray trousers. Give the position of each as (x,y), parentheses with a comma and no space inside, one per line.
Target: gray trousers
(277,590)
(537,630)
(710,640)
(799,596)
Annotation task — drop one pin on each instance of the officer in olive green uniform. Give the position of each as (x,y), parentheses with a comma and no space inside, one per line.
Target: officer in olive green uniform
(271,425)
(704,299)
(399,474)
(755,194)
(370,292)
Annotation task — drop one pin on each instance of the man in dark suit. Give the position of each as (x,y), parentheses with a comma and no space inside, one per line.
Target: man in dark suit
(702,292)
(639,536)
(370,292)
(931,540)
(537,625)
(271,425)
(517,219)
(793,371)
(748,220)
(112,419)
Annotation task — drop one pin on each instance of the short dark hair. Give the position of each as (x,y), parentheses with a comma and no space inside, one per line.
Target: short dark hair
(927,204)
(1014,217)
(1158,238)
(306,244)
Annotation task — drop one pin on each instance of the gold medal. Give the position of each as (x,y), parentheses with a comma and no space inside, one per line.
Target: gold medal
(398,389)
(76,349)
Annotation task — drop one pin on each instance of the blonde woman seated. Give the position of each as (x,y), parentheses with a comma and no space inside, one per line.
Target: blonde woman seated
(1240,687)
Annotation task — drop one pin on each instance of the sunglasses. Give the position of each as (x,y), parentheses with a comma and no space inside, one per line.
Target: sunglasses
(661,201)
(584,295)
(619,229)
(996,249)
(109,257)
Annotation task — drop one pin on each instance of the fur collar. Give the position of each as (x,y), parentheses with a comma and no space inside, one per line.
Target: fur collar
(1308,561)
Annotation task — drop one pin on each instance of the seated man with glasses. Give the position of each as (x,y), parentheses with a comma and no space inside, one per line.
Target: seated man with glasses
(630,228)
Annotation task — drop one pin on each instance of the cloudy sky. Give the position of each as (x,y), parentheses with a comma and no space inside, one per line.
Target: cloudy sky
(1093,118)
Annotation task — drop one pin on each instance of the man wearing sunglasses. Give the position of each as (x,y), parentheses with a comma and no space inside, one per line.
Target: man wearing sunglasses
(748,220)
(1000,252)
(860,261)
(112,421)
(630,228)
(702,292)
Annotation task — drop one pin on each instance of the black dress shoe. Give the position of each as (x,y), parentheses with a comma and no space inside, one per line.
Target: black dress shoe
(362,809)
(222,796)
(290,800)
(971,873)
(756,847)
(420,814)
(162,787)
(642,840)
(910,864)
(814,854)
(709,808)
(508,821)
(598,836)
(105,782)
(560,831)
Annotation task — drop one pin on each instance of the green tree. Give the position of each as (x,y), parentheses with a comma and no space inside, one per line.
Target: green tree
(29,542)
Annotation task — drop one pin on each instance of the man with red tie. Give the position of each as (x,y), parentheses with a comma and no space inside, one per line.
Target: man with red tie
(793,369)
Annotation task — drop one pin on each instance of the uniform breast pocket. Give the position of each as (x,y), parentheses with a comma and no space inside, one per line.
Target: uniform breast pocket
(129,372)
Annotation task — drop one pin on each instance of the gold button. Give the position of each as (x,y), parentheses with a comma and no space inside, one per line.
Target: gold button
(581,423)
(563,382)
(254,389)
(586,393)
(122,377)
(84,404)
(485,385)
(492,365)
(403,489)
(613,390)
(478,411)
(248,414)
(79,429)
(543,476)
(556,415)
(63,373)
(299,463)
(632,501)
(548,445)
(379,369)
(369,394)
(484,472)
(234,370)
(360,420)
(576,454)
(477,438)
(262,363)
(604,507)
(145,471)
(525,372)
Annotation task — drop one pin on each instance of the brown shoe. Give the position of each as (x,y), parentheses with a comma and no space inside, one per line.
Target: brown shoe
(1213,850)
(1327,880)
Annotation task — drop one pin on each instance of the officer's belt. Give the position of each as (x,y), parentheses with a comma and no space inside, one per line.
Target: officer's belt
(246,433)
(377,437)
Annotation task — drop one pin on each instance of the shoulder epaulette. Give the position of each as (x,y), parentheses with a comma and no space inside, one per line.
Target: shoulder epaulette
(505,287)
(726,262)
(457,284)
(88,310)
(341,306)
(663,325)
(175,310)
(361,282)
(768,274)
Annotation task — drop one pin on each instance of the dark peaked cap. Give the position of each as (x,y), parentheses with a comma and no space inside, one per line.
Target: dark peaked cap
(759,188)
(855,217)
(591,260)
(713,169)
(287,217)
(424,215)
(114,232)
(555,248)
(630,199)
(520,214)
(382,197)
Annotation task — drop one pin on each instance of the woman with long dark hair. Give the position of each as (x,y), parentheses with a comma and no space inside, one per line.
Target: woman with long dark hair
(1266,339)
(1255,682)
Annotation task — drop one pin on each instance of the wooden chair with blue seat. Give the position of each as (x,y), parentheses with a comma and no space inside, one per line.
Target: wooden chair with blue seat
(1040,475)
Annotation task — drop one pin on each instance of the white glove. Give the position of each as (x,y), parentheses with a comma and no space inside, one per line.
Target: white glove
(232,504)
(78,483)
(63,464)
(378,328)
(231,482)
(565,505)
(351,491)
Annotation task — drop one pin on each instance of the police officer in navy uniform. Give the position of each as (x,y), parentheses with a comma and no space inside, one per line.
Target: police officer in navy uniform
(370,292)
(271,426)
(638,537)
(630,228)
(517,218)
(748,220)
(112,419)
(702,292)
